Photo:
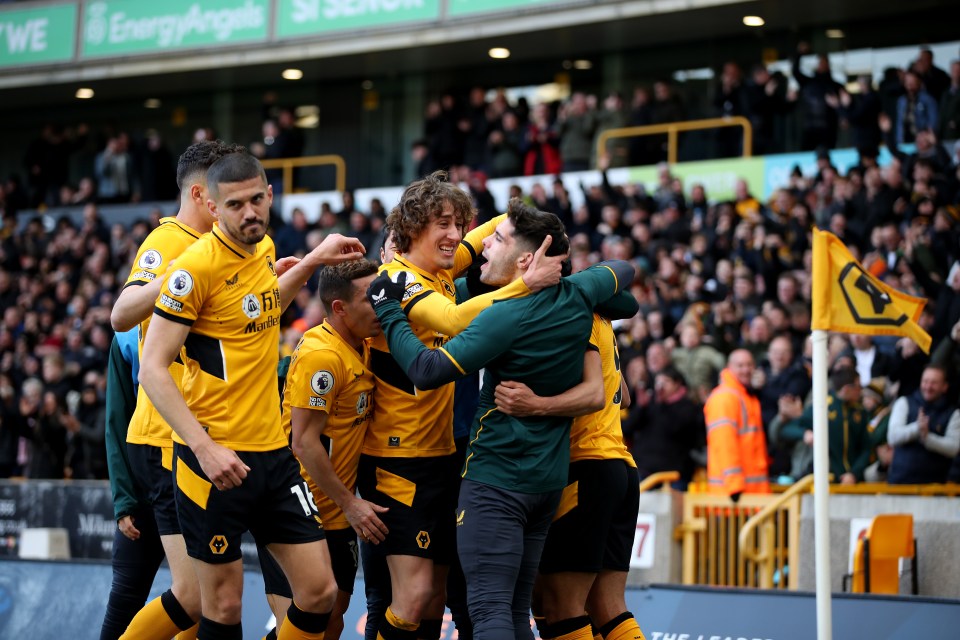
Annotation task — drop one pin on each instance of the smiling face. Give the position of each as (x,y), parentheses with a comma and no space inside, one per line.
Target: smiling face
(436,246)
(933,384)
(243,209)
(742,366)
(502,253)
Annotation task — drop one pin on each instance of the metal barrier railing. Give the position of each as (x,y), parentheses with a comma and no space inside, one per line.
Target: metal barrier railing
(660,478)
(709,533)
(771,539)
(673,128)
(289,164)
(949,489)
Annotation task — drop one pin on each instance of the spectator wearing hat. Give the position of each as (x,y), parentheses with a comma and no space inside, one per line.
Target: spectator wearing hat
(878,406)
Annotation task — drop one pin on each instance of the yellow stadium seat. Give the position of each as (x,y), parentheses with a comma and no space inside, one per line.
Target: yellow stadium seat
(876,561)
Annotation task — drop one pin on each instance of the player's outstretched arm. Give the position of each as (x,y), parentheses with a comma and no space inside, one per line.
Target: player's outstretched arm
(426,368)
(516,399)
(334,249)
(163,342)
(134,305)
(308,425)
(440,314)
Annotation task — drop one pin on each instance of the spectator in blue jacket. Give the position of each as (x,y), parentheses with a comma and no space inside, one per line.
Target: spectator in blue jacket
(916,109)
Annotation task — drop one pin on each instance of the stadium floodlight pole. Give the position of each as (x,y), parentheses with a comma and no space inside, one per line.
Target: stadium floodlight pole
(821,486)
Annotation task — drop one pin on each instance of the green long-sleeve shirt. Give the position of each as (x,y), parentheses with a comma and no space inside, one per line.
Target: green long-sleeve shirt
(849,439)
(121,401)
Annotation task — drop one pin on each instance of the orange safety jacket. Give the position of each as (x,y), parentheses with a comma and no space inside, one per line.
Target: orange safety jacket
(736,445)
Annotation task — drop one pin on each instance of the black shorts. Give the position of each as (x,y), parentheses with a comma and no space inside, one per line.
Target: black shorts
(156,483)
(274,580)
(272,503)
(421,494)
(344,557)
(595,524)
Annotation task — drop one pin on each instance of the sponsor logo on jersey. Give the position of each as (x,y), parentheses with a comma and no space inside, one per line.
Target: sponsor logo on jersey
(322,382)
(251,306)
(170,303)
(181,283)
(393,441)
(233,282)
(411,291)
(144,275)
(362,402)
(151,259)
(257,327)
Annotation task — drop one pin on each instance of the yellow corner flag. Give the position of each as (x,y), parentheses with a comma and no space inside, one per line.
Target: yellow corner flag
(847,298)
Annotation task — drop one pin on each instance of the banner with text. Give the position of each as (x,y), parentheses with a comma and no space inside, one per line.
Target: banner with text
(118,27)
(32,36)
(297,18)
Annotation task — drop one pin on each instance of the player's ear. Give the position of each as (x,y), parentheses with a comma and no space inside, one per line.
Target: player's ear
(212,208)
(337,308)
(524,260)
(198,193)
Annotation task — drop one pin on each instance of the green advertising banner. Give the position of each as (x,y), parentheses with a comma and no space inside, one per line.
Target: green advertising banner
(718,177)
(307,17)
(456,8)
(118,27)
(31,36)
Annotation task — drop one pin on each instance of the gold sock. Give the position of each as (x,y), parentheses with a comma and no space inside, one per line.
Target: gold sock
(152,623)
(303,625)
(396,628)
(188,634)
(626,630)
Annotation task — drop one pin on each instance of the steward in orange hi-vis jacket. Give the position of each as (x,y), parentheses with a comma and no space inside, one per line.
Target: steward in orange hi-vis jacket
(736,445)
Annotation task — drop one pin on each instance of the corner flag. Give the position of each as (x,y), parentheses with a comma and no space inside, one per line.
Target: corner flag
(847,298)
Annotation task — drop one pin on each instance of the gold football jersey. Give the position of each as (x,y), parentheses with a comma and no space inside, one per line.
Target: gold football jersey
(230,299)
(164,244)
(326,374)
(411,422)
(599,436)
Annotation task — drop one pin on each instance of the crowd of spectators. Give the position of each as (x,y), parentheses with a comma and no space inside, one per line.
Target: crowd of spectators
(713,277)
(502,139)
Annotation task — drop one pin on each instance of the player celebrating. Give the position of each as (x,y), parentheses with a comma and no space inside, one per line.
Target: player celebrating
(327,403)
(232,467)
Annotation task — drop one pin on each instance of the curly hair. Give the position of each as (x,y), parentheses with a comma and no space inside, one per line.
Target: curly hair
(424,200)
(195,161)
